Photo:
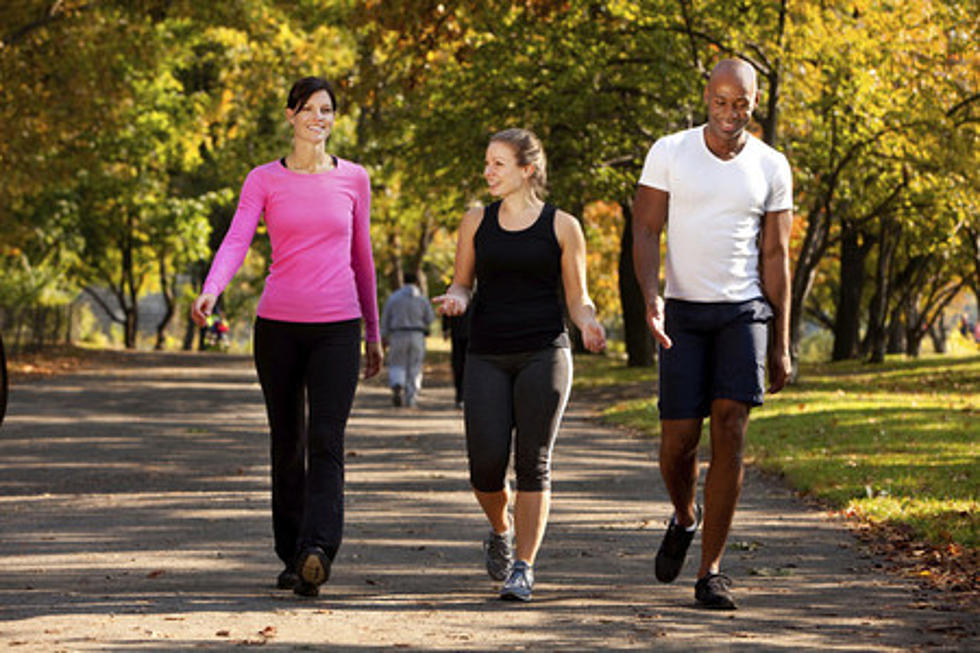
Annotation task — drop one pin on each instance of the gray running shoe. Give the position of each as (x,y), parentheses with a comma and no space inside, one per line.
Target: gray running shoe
(518,585)
(497,554)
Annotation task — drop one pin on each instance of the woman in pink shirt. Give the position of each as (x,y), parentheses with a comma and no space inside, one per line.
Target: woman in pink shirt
(321,284)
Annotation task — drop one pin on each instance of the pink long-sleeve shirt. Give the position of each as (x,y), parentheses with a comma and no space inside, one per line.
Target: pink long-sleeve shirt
(322,269)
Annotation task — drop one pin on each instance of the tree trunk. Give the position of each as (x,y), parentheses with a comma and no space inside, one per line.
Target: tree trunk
(804,273)
(129,329)
(397,268)
(190,329)
(167,290)
(128,299)
(896,333)
(887,242)
(71,320)
(639,341)
(914,333)
(938,333)
(198,272)
(847,325)
(422,246)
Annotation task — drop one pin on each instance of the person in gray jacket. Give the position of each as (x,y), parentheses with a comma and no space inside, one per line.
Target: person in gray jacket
(405,322)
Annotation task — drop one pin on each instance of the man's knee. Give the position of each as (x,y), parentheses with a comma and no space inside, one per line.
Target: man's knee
(729,424)
(680,436)
(730,417)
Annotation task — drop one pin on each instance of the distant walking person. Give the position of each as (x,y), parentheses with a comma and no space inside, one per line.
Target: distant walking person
(457,329)
(522,254)
(405,322)
(726,200)
(321,284)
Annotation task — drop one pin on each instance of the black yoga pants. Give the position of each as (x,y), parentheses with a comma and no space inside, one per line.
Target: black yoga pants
(308,373)
(514,396)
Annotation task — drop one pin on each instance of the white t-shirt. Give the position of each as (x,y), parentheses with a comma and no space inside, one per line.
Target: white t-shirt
(715,212)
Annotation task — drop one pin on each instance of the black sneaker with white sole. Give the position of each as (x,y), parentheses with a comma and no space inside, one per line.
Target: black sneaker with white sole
(714,592)
(673,548)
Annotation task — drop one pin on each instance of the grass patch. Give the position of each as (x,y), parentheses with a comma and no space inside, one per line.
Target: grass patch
(609,370)
(896,444)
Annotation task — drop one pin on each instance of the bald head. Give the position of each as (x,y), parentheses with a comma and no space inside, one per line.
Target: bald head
(734,70)
(730,96)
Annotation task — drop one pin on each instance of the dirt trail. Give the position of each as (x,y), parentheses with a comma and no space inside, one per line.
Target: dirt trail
(134,514)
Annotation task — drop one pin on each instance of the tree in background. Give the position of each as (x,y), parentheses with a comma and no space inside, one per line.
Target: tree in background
(117,155)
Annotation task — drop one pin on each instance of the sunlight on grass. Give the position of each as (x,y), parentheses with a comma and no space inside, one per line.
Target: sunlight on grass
(593,371)
(897,443)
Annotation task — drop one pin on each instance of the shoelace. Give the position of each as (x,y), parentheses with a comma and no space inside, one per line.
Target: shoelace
(499,545)
(518,578)
(720,579)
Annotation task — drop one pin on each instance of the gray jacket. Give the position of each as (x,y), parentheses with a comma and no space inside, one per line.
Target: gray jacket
(407,309)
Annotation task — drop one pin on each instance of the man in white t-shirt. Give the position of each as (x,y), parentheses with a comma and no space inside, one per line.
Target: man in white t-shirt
(726,199)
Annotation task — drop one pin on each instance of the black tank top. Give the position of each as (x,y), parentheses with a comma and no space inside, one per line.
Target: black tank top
(517,306)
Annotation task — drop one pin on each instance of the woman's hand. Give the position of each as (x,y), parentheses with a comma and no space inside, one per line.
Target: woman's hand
(372,359)
(454,302)
(593,336)
(202,307)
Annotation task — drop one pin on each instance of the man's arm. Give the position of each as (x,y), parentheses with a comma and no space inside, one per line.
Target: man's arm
(649,218)
(776,228)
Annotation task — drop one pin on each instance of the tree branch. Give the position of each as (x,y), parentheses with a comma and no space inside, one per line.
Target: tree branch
(103,305)
(55,12)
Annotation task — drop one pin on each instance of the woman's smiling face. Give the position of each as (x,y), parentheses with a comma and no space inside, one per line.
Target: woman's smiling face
(313,121)
(501,171)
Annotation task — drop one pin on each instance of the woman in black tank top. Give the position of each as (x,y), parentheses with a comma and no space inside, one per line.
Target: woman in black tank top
(520,254)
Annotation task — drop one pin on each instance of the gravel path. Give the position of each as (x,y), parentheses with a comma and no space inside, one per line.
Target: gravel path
(134,514)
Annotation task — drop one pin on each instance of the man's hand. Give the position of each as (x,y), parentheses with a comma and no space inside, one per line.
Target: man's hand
(780,367)
(655,322)
(372,359)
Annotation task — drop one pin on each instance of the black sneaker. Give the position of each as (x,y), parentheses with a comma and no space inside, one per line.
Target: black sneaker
(314,570)
(673,548)
(396,395)
(714,592)
(288,579)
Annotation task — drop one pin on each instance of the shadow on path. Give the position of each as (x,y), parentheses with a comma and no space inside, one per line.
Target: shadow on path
(134,513)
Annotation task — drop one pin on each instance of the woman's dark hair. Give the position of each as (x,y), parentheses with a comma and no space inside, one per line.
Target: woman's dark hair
(304,88)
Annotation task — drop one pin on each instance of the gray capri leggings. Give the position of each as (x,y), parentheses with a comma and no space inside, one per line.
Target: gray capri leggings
(524,393)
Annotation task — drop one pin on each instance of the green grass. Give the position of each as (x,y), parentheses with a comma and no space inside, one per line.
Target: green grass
(896,444)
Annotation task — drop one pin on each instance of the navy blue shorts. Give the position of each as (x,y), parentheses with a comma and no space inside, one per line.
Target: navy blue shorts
(719,352)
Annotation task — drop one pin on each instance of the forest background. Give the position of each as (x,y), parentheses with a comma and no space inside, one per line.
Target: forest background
(128,127)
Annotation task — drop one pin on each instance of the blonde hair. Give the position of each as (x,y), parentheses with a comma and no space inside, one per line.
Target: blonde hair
(529,152)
